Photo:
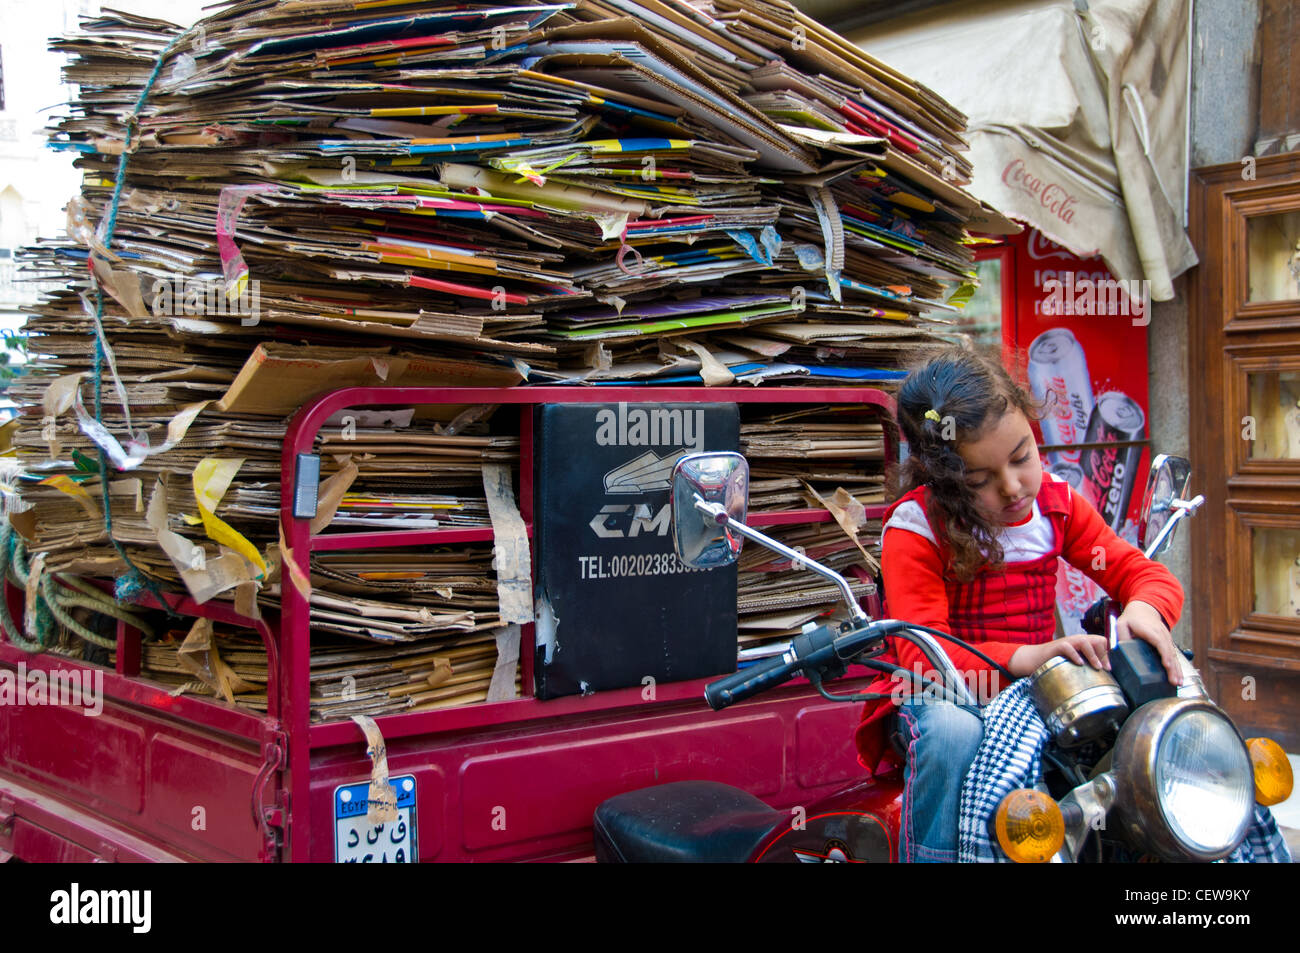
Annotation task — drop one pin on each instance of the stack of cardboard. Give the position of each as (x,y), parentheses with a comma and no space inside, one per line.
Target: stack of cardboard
(345,679)
(321,193)
(799,455)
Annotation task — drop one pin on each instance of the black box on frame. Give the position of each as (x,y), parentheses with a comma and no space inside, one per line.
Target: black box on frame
(615,607)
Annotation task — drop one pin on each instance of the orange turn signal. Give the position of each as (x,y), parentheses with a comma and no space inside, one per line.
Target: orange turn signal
(1029,826)
(1273,776)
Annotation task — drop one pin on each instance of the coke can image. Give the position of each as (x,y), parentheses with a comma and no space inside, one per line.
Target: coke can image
(1075,592)
(1110,472)
(1071,473)
(1058,375)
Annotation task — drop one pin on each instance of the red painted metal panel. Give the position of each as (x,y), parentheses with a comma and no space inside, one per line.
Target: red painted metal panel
(129,769)
(202,795)
(882,797)
(520,712)
(128,649)
(542,791)
(824,750)
(548,777)
(787,517)
(526,463)
(146,694)
(56,818)
(37,845)
(50,744)
(450,720)
(527,633)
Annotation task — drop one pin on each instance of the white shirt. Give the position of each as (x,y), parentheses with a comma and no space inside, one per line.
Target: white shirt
(1024,542)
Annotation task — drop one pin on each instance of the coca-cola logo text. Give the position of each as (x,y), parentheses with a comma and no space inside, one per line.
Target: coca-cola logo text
(1061,406)
(1050,195)
(1080,590)
(1070,418)
(1107,479)
(1041,248)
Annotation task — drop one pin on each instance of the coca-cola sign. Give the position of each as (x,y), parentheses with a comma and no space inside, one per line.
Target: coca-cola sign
(1050,195)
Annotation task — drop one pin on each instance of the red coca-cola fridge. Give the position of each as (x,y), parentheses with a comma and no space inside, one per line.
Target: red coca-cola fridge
(1080,337)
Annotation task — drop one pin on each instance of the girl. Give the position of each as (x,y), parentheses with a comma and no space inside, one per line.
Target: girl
(971,549)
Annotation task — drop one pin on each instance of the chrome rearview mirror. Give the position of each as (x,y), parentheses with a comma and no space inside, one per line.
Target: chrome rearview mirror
(701,541)
(1165,497)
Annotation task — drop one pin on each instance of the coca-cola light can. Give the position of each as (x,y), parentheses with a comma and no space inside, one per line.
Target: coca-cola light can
(1058,375)
(1110,472)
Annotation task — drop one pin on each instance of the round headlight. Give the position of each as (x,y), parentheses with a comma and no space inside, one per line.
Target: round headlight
(1204,781)
(1184,780)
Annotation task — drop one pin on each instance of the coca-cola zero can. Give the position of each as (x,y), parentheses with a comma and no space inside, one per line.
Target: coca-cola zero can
(1110,472)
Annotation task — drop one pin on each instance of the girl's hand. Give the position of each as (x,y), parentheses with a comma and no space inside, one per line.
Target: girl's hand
(1141,621)
(1080,649)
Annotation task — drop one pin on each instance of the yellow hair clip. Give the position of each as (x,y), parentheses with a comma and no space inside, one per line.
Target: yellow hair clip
(932,414)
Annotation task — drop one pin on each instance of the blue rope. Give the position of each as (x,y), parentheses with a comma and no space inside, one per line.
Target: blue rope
(131,120)
(134,578)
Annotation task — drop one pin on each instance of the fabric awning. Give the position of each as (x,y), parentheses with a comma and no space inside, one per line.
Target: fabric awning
(1078,117)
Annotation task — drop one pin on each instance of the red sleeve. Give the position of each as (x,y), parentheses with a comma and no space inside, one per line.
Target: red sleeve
(915,592)
(1117,566)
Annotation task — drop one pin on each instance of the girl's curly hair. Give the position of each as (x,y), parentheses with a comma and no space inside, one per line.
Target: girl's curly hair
(969,390)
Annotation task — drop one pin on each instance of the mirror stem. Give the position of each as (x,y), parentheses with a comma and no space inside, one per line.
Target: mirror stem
(798,558)
(1183,509)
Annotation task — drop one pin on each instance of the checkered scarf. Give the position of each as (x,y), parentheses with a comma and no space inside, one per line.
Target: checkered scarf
(1264,843)
(1010,757)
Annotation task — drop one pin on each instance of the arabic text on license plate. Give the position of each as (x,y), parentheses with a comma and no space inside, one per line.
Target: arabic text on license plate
(356,840)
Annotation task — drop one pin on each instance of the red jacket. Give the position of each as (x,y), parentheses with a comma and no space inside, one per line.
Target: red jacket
(998,611)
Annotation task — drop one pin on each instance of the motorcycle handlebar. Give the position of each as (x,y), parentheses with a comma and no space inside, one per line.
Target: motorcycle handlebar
(821,651)
(748,682)
(814,651)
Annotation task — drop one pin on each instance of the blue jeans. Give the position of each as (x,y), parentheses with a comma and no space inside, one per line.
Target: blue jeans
(941,741)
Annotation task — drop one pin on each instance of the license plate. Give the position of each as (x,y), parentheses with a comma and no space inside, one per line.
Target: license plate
(357,841)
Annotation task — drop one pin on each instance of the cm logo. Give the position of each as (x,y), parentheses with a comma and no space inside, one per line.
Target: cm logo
(619,520)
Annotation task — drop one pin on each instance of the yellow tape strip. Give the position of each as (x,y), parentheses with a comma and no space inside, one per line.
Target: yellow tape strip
(211,480)
(65,484)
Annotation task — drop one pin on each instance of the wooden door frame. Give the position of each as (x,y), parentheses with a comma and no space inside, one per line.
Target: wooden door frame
(1225,337)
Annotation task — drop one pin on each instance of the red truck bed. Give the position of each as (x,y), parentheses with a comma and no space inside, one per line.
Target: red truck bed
(157,777)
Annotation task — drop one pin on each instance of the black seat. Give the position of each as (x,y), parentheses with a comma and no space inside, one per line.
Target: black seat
(684,822)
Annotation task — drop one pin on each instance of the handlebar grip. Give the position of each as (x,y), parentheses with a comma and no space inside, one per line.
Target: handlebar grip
(758,677)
